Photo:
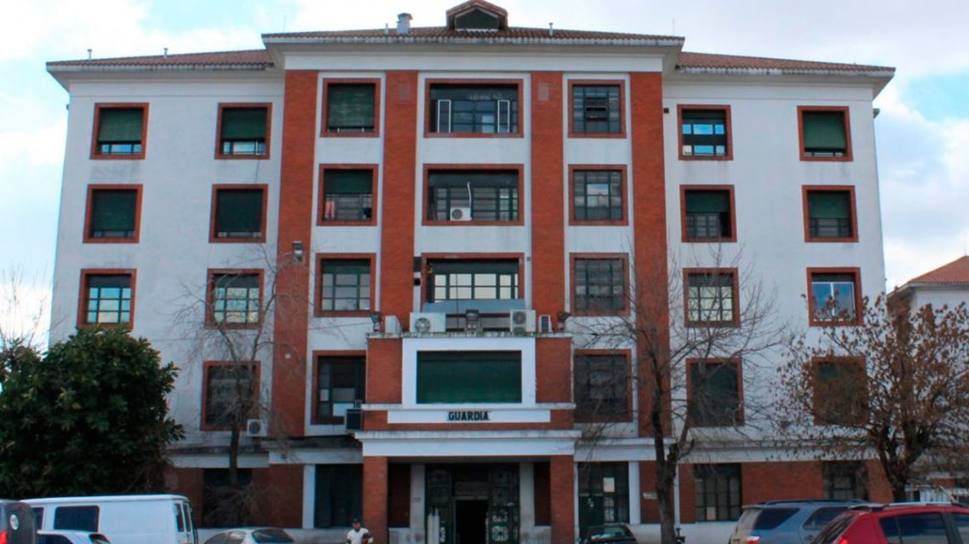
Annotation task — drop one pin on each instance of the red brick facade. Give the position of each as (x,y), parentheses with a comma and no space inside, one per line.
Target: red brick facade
(548,216)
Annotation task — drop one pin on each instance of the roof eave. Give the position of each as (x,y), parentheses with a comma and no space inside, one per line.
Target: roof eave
(879,77)
(471,40)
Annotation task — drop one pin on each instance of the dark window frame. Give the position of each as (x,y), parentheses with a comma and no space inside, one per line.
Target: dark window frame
(343,358)
(728,131)
(84,302)
(89,238)
(720,478)
(211,286)
(267,134)
(686,235)
(515,205)
(351,503)
(813,319)
(574,130)
(324,124)
(590,487)
(805,155)
(575,170)
(213,233)
(321,219)
(321,259)
(255,375)
(575,258)
(622,411)
(849,403)
(515,116)
(516,287)
(855,471)
(95,143)
(809,235)
(733,274)
(697,419)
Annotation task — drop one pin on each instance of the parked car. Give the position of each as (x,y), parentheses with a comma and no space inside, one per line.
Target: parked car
(786,522)
(258,535)
(903,522)
(16,523)
(70,537)
(613,533)
(124,519)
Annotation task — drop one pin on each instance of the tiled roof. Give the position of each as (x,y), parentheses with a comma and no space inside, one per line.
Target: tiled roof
(712,62)
(252,59)
(955,272)
(443,33)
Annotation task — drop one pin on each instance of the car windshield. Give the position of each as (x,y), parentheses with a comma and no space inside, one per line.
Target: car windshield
(770,518)
(272,535)
(609,531)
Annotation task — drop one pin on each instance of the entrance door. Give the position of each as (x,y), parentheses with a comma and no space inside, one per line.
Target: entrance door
(470,518)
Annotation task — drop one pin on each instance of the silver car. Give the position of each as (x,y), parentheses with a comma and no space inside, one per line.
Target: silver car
(787,522)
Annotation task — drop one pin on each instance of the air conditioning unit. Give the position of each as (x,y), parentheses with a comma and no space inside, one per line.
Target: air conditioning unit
(460,213)
(545,323)
(521,321)
(255,427)
(424,323)
(354,419)
(391,325)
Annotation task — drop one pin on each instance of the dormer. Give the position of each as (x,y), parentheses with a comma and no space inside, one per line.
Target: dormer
(477,15)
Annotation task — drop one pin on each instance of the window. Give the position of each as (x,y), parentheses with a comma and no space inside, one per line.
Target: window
(599,285)
(339,495)
(340,386)
(927,528)
(601,387)
(708,214)
(473,108)
(603,494)
(717,492)
(962,525)
(107,298)
(113,213)
(597,195)
(238,214)
(477,19)
(824,133)
(830,214)
(714,394)
(119,131)
(473,195)
(467,377)
(844,480)
(235,298)
(220,501)
(704,132)
(596,109)
(231,394)
(490,279)
(840,392)
(822,517)
(76,518)
(348,195)
(835,297)
(345,285)
(711,297)
(351,108)
(243,131)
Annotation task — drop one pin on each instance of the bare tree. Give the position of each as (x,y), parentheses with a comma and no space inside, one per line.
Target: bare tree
(896,385)
(690,331)
(24,308)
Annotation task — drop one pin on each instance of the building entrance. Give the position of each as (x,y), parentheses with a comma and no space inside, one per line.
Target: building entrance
(472,504)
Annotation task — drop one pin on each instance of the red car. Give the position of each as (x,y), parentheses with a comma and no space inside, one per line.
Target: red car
(899,524)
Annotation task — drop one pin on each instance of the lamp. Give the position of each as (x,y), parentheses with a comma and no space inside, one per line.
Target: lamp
(375,319)
(298,250)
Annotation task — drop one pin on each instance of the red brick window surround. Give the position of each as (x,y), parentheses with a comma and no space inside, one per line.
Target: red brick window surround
(113,214)
(348,195)
(230,394)
(824,133)
(345,284)
(711,297)
(234,298)
(244,131)
(120,131)
(597,109)
(715,392)
(351,107)
(600,284)
(830,213)
(238,213)
(704,132)
(597,194)
(107,298)
(834,296)
(708,213)
(602,386)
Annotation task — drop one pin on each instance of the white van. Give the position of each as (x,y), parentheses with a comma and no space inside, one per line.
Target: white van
(124,519)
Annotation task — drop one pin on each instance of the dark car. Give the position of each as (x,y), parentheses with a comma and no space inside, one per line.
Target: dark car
(786,522)
(612,533)
(899,523)
(16,523)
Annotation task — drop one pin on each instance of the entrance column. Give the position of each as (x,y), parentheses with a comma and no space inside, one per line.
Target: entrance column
(561,478)
(375,497)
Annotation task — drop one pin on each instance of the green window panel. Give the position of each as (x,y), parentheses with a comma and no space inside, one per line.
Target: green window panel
(714,396)
(350,107)
(238,213)
(469,377)
(824,133)
(120,125)
(113,213)
(244,123)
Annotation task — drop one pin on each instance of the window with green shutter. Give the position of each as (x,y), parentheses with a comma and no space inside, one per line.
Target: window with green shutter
(829,214)
(350,107)
(238,213)
(348,195)
(243,130)
(451,377)
(113,214)
(120,130)
(825,133)
(708,214)
(714,394)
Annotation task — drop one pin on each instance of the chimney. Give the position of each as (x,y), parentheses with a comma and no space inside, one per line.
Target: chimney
(403,23)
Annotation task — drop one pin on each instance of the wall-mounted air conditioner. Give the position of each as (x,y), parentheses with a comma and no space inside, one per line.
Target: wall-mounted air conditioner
(255,428)
(460,213)
(521,321)
(545,323)
(424,322)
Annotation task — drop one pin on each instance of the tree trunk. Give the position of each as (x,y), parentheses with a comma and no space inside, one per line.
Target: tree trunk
(235,490)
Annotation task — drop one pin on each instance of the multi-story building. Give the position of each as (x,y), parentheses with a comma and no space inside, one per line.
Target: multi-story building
(436,212)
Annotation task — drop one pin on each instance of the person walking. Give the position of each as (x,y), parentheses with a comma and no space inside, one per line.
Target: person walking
(358,534)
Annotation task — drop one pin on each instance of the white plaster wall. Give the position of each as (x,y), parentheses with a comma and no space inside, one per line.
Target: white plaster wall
(939,297)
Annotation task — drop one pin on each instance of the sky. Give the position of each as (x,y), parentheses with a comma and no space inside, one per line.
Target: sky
(922,132)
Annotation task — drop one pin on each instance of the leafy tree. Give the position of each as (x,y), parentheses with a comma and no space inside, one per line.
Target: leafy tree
(896,386)
(89,418)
